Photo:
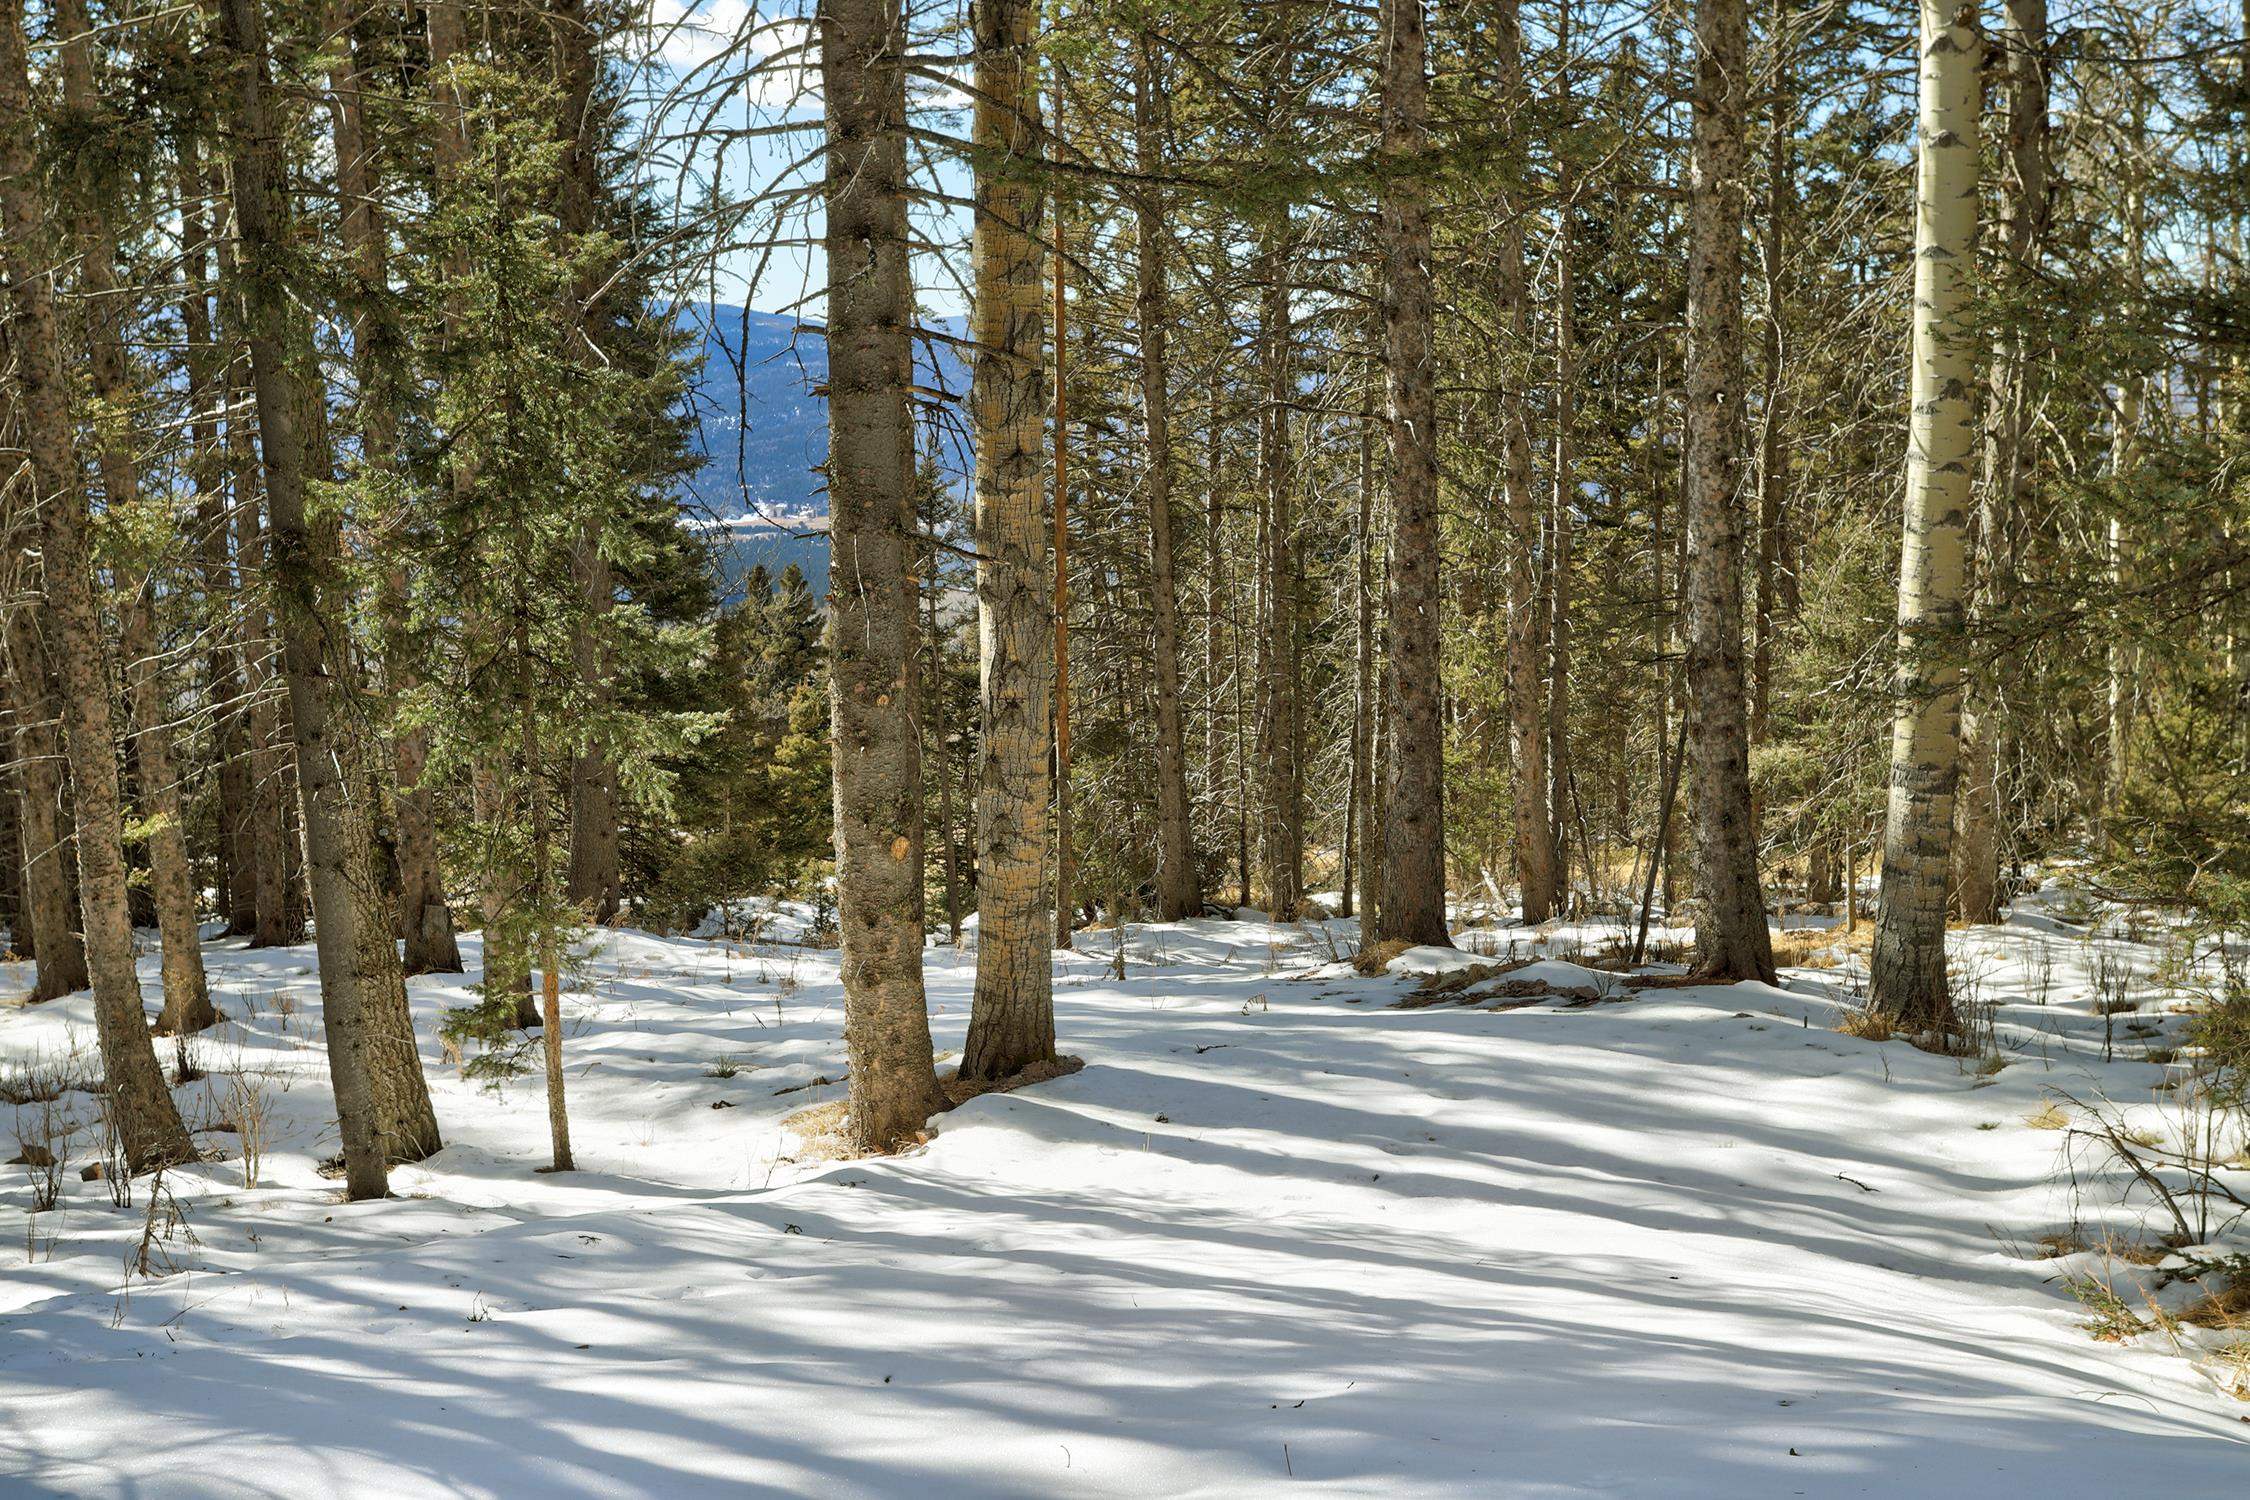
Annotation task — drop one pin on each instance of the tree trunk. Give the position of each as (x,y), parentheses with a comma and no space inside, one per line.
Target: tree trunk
(1413,900)
(140,1105)
(49,848)
(1066,860)
(222,671)
(1178,892)
(187,997)
(1356,809)
(545,908)
(1215,579)
(1908,974)
(1773,455)
(266,839)
(949,861)
(878,761)
(1534,845)
(1730,931)
(1281,841)
(274,925)
(382,1101)
(1563,502)
(1012,1023)
(2010,457)
(13,916)
(187,993)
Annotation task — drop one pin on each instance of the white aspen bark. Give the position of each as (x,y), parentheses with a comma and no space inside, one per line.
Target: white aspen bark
(1908,979)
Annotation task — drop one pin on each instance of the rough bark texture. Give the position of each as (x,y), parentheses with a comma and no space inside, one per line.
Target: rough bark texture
(382,1100)
(1908,976)
(2010,456)
(267,835)
(1066,867)
(187,996)
(49,849)
(1282,825)
(12,914)
(1012,1024)
(1730,928)
(1535,850)
(878,761)
(1178,891)
(140,1105)
(274,923)
(1412,908)
(187,993)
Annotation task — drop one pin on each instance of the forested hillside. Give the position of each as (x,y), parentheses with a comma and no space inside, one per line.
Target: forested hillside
(1125,747)
(760,435)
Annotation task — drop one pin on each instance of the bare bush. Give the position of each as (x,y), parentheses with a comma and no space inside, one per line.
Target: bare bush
(48,1073)
(246,1107)
(43,1148)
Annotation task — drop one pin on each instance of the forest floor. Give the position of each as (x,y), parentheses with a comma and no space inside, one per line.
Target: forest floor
(1279,1233)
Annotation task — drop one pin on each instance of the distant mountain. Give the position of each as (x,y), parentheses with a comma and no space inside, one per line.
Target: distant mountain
(762,430)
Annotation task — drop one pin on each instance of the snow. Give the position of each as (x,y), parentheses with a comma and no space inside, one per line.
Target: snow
(1278,1235)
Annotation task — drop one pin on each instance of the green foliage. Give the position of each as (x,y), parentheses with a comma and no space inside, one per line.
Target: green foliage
(749,814)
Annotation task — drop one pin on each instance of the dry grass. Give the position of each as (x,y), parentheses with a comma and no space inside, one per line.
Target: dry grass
(819,1129)
(2048,1116)
(1807,948)
(1867,1024)
(1375,958)
(2228,1307)
(2234,1366)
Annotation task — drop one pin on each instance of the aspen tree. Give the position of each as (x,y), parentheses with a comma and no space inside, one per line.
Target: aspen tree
(1908,971)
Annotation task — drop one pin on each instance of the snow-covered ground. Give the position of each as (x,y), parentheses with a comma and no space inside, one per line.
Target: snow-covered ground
(1279,1234)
